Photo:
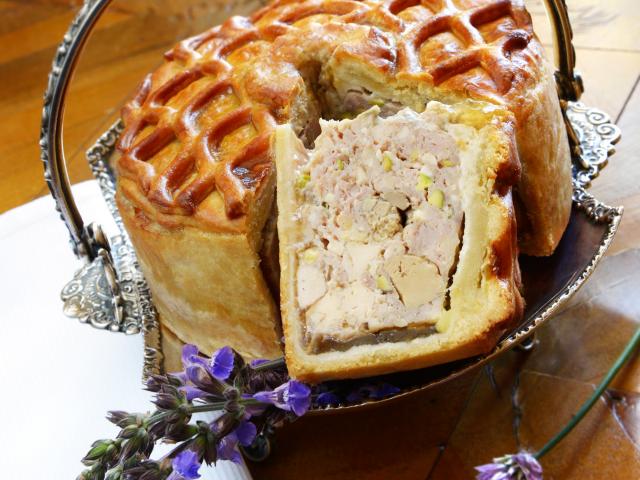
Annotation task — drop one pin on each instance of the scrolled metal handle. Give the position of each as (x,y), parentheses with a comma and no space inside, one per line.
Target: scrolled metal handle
(568,81)
(109,291)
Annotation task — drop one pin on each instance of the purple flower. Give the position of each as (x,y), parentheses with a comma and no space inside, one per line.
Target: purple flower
(180,377)
(187,464)
(383,391)
(198,375)
(193,392)
(492,471)
(203,373)
(227,447)
(195,367)
(253,410)
(222,363)
(245,433)
(326,399)
(227,450)
(529,466)
(369,391)
(521,466)
(191,357)
(292,396)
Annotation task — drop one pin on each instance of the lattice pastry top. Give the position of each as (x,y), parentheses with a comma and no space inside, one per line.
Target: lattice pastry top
(197,142)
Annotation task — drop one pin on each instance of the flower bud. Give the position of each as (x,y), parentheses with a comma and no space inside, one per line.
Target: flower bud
(94,473)
(179,432)
(155,382)
(128,431)
(117,416)
(111,452)
(166,401)
(114,473)
(97,451)
(224,424)
(150,475)
(231,393)
(130,447)
(85,475)
(138,442)
(200,377)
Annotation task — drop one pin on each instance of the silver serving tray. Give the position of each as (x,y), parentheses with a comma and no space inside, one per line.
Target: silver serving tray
(110,292)
(548,282)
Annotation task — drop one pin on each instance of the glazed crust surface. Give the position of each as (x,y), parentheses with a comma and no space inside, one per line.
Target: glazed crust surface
(197,137)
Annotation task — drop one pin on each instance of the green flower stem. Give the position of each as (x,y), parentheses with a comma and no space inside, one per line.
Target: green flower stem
(210,407)
(278,362)
(205,407)
(622,359)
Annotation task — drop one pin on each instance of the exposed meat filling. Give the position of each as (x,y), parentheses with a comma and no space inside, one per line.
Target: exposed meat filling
(381,216)
(356,101)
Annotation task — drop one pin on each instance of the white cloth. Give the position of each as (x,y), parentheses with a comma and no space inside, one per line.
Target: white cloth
(58,377)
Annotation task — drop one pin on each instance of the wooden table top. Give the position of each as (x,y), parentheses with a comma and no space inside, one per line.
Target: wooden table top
(441,434)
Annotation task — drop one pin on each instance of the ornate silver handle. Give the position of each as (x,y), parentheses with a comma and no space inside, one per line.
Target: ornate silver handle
(95,294)
(109,291)
(86,242)
(568,81)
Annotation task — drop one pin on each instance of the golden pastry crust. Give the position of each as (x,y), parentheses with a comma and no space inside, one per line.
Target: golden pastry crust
(196,150)
(207,289)
(202,122)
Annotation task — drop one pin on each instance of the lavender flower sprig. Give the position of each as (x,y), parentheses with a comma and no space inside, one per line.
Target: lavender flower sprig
(250,397)
(521,466)
(526,466)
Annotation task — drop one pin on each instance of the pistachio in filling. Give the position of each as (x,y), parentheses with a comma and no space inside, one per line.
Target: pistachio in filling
(381,214)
